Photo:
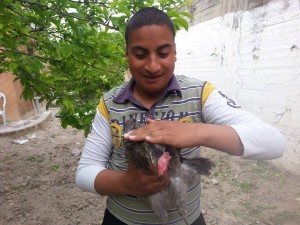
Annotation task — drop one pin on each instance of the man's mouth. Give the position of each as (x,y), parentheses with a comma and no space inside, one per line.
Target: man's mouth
(152,78)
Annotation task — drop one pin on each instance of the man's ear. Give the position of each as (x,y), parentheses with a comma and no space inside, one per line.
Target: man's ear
(126,53)
(175,52)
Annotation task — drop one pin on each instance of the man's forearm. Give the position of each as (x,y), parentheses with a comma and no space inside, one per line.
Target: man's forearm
(220,137)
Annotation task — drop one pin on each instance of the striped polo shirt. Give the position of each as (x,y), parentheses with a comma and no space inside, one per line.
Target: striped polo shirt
(183,101)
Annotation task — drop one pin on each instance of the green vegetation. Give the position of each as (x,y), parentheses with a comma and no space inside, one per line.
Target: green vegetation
(54,167)
(71,51)
(34,158)
(266,172)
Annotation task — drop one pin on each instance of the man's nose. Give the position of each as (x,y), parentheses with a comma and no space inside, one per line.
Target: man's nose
(153,65)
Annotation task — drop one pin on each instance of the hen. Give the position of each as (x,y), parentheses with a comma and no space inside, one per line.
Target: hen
(182,172)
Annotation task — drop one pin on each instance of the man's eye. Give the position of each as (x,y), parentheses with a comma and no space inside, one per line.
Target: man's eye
(140,56)
(163,55)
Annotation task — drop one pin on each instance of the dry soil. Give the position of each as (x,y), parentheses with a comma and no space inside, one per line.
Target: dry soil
(37,185)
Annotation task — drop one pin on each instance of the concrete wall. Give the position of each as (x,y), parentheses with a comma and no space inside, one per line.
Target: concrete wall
(251,51)
(204,10)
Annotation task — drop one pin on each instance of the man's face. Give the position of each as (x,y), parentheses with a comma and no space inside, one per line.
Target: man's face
(151,55)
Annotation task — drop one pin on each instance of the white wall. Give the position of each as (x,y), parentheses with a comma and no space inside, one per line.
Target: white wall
(254,57)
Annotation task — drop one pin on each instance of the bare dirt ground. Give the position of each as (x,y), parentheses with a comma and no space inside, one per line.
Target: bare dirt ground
(37,185)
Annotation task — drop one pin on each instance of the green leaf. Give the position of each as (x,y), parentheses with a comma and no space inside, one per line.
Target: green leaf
(114,4)
(28,93)
(173,13)
(68,105)
(64,51)
(187,14)
(180,22)
(5,3)
(36,65)
(12,67)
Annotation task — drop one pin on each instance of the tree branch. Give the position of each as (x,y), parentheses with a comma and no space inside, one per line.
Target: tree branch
(98,68)
(19,14)
(36,79)
(88,20)
(68,15)
(32,56)
(35,4)
(89,2)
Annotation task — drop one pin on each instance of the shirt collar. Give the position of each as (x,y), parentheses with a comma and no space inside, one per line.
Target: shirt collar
(126,93)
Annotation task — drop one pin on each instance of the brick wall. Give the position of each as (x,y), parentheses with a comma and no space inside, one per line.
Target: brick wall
(16,108)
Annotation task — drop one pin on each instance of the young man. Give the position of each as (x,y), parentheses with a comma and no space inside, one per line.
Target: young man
(179,111)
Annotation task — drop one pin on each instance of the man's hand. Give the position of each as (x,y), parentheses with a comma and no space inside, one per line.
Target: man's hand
(187,135)
(138,183)
(176,134)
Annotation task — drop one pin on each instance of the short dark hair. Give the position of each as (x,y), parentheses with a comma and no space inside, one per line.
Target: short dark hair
(146,17)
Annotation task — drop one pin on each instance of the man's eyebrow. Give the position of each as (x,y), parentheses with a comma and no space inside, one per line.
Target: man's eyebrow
(165,46)
(145,49)
(138,48)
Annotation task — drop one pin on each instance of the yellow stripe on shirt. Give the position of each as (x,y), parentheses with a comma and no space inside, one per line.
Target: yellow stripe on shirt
(207,90)
(102,109)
